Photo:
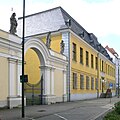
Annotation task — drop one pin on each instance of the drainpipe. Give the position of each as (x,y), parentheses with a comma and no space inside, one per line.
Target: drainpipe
(98,77)
(69,94)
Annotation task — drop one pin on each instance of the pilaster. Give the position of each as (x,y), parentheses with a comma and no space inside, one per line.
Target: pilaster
(48,84)
(52,81)
(65,87)
(19,72)
(12,77)
(14,93)
(45,71)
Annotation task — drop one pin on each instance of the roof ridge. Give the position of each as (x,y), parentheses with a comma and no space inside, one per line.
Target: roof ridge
(72,19)
(59,7)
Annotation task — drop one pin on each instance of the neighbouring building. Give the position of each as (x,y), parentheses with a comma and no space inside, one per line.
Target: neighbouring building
(116,60)
(90,68)
(10,70)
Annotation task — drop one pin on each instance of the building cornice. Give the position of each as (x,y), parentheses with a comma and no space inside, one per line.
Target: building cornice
(69,30)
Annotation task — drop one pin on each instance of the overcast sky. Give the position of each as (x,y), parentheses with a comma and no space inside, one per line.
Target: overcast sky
(100,17)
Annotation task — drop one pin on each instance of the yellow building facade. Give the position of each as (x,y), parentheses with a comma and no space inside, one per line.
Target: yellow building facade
(41,61)
(86,80)
(91,72)
(90,69)
(10,70)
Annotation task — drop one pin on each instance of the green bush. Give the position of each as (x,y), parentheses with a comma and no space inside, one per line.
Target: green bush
(115,114)
(112,116)
(117,107)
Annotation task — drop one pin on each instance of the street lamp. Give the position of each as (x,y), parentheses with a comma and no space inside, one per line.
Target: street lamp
(23,112)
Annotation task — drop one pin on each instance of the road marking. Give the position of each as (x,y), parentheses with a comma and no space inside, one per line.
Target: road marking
(60,117)
(108,106)
(29,118)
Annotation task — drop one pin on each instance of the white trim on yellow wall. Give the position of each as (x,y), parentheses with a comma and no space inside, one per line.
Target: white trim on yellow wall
(50,62)
(12,77)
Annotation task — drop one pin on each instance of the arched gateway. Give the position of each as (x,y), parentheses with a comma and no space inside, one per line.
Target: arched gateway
(53,68)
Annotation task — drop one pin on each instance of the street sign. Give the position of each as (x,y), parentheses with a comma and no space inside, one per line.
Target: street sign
(25,78)
(111,85)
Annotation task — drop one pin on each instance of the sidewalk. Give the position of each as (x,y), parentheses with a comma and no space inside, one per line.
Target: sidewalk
(37,111)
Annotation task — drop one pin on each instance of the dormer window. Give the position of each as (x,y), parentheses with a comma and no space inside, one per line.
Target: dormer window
(82,34)
(68,22)
(99,47)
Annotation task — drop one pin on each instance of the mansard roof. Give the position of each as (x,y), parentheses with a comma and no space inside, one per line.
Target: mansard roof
(57,19)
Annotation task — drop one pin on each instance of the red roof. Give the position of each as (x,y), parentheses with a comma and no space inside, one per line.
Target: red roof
(111,50)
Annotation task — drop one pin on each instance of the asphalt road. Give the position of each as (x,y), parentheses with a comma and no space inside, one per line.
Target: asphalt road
(88,110)
(78,110)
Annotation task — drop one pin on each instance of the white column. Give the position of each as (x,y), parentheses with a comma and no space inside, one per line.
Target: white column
(42,72)
(65,87)
(19,72)
(12,77)
(46,79)
(52,81)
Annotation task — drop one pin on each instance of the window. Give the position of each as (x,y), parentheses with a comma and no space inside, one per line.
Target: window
(110,71)
(96,83)
(100,84)
(81,81)
(114,73)
(87,83)
(106,69)
(92,83)
(87,58)
(81,55)
(92,61)
(96,62)
(102,65)
(74,52)
(74,80)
